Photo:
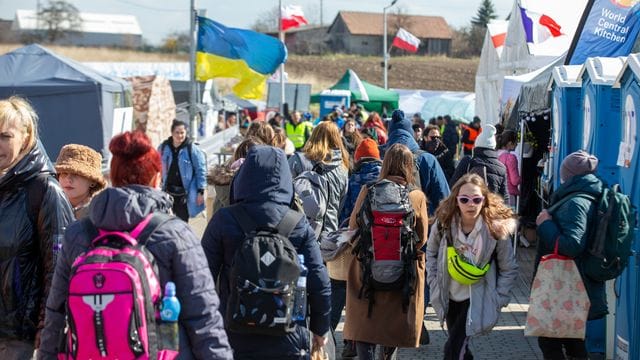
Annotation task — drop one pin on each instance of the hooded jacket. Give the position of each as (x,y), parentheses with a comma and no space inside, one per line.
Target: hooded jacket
(378,125)
(179,257)
(263,187)
(570,227)
(432,179)
(337,176)
(29,243)
(220,177)
(490,293)
(485,158)
(193,171)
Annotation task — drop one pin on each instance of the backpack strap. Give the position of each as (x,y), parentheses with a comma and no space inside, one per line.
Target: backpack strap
(288,223)
(244,220)
(569,196)
(141,232)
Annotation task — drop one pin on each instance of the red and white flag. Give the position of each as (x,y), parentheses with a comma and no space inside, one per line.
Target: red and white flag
(406,40)
(292,17)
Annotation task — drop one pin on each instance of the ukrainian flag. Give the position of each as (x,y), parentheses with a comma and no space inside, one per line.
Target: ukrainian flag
(245,55)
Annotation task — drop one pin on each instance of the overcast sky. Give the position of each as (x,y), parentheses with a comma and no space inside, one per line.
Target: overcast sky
(158,18)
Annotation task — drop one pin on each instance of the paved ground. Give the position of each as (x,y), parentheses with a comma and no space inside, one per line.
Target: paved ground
(505,342)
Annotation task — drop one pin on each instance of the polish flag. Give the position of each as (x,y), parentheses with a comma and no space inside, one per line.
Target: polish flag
(406,40)
(292,17)
(539,27)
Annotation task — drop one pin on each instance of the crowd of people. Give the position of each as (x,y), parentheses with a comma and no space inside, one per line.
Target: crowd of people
(374,217)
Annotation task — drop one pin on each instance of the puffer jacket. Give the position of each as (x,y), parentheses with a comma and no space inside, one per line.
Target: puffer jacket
(365,172)
(263,188)
(570,227)
(177,253)
(432,179)
(490,293)
(485,158)
(337,176)
(29,243)
(193,171)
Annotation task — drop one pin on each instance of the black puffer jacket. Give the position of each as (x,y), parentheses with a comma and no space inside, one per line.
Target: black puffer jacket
(485,158)
(180,259)
(29,240)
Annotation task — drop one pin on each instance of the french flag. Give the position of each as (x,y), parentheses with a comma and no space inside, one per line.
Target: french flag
(406,41)
(538,27)
(292,17)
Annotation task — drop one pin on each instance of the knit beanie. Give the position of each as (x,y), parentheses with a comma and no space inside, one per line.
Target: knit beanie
(577,163)
(81,160)
(368,148)
(487,138)
(398,121)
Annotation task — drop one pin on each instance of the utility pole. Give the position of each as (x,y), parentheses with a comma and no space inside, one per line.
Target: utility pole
(321,22)
(281,37)
(193,123)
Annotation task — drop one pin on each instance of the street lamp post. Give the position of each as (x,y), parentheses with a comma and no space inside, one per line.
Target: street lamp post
(384,40)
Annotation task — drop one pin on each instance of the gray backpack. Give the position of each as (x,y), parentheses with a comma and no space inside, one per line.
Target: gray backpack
(387,247)
(313,190)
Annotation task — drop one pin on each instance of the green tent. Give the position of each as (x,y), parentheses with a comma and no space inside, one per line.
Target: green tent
(379,98)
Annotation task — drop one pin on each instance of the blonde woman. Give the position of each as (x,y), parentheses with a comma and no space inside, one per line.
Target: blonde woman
(79,171)
(471,230)
(34,213)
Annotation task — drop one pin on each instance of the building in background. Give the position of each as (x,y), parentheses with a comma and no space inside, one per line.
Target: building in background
(361,33)
(113,30)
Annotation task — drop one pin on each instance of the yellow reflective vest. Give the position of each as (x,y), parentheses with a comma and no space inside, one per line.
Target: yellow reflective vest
(298,133)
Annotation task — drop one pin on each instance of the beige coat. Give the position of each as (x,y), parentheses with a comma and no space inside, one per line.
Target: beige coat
(388,324)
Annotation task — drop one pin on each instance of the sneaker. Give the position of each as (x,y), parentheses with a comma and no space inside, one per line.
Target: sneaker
(349,350)
(424,337)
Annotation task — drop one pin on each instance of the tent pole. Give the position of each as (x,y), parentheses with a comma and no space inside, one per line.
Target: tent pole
(192,67)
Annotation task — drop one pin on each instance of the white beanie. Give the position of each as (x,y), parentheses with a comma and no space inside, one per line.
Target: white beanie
(487,138)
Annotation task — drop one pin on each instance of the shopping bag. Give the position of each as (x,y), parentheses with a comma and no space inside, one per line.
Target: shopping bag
(559,305)
(318,353)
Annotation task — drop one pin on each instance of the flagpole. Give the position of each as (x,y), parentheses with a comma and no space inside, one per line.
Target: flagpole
(384,40)
(281,37)
(192,67)
(576,37)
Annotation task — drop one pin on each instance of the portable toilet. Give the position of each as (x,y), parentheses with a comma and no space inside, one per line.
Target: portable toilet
(601,134)
(566,117)
(329,99)
(601,113)
(627,326)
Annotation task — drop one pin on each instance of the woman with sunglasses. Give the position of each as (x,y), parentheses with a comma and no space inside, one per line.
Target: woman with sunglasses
(471,266)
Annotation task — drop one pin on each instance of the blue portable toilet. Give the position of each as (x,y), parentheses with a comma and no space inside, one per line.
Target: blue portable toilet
(332,98)
(627,326)
(601,113)
(566,116)
(601,136)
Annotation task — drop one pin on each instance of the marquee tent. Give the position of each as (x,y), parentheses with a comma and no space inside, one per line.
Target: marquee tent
(75,104)
(379,98)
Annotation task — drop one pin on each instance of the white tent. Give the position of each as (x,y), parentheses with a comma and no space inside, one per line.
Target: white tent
(519,57)
(489,76)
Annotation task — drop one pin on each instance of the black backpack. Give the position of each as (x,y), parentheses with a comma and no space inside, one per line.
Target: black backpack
(387,247)
(416,167)
(263,276)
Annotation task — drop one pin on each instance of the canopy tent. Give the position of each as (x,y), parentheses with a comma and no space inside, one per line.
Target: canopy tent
(379,98)
(75,104)
(489,75)
(460,106)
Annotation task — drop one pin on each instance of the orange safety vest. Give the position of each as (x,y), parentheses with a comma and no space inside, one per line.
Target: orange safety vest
(473,134)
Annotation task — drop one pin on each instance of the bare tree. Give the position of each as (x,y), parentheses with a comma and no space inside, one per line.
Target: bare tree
(267,21)
(59,18)
(177,41)
(399,19)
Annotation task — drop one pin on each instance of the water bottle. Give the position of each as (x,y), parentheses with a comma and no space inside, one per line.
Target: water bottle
(300,293)
(169,318)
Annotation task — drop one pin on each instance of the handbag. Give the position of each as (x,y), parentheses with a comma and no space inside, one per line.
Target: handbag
(559,304)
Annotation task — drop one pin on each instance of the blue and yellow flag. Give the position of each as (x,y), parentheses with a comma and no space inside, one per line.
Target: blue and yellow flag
(245,55)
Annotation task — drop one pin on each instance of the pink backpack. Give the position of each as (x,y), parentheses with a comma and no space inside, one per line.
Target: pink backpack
(114,298)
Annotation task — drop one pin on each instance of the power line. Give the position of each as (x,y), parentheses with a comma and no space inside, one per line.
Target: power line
(151,8)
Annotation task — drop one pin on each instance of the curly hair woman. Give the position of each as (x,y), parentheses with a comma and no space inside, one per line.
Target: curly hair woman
(471,266)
